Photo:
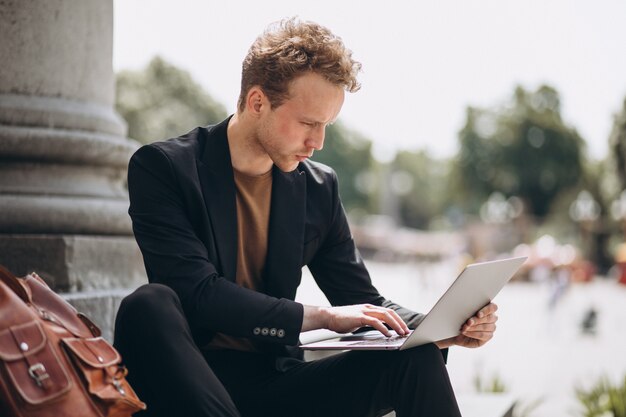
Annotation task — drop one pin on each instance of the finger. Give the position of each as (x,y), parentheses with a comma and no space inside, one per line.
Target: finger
(492,318)
(490,308)
(484,336)
(487,327)
(401,321)
(478,333)
(375,323)
(390,317)
(385,317)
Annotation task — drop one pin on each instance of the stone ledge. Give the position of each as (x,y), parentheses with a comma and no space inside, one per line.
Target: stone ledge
(75,263)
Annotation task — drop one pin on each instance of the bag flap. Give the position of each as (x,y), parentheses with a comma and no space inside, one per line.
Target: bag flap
(54,308)
(38,374)
(95,351)
(21,340)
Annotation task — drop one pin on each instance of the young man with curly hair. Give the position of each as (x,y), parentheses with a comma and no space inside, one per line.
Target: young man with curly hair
(226,216)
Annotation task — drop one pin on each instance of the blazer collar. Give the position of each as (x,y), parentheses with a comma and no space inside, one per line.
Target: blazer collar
(287,215)
(216,153)
(218,189)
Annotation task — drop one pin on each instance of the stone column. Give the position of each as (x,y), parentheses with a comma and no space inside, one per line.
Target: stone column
(63,153)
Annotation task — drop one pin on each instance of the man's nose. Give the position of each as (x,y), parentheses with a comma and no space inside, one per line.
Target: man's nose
(316,138)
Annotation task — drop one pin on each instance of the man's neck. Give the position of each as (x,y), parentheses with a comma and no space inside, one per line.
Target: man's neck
(246,155)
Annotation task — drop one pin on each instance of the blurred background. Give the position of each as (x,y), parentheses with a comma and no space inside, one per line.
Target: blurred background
(482,130)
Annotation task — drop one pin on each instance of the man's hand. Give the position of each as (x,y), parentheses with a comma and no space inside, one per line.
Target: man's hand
(476,331)
(346,319)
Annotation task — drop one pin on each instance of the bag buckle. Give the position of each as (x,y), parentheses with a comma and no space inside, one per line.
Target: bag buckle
(38,373)
(118,385)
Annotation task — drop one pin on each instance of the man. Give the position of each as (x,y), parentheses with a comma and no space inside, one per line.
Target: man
(226,217)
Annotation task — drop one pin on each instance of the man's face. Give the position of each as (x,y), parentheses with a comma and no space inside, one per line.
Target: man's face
(291,132)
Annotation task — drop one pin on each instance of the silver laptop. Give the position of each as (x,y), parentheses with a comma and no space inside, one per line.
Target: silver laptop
(474,288)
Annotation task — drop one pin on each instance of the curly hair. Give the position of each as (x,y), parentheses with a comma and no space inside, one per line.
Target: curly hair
(290,48)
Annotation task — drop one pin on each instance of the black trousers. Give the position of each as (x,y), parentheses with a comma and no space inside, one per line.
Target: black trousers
(175,378)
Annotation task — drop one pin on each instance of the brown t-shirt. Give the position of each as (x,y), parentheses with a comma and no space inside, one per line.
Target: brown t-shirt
(253,212)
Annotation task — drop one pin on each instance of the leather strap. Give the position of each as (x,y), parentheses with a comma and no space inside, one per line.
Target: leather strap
(14,284)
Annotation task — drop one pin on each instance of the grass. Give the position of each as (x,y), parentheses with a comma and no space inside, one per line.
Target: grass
(603,399)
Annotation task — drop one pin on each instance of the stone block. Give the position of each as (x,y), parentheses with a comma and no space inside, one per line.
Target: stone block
(75,263)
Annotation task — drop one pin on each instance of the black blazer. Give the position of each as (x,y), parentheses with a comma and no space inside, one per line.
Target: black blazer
(182,205)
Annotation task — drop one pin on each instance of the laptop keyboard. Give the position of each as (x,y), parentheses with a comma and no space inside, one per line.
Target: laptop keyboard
(385,341)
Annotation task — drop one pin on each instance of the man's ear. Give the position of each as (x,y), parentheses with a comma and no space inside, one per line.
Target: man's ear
(256,101)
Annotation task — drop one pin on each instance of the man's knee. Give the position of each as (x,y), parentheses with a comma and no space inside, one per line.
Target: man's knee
(150,308)
(149,299)
(426,358)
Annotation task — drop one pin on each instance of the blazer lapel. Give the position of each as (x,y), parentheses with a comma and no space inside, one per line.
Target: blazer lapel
(218,189)
(283,266)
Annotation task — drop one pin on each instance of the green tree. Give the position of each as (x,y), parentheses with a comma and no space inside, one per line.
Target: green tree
(163,101)
(617,143)
(420,184)
(350,154)
(523,148)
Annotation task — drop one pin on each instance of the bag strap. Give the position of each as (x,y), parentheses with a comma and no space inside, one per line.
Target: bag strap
(15,284)
(95,330)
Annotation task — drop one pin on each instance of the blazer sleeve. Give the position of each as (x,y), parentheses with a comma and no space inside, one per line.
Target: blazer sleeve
(338,268)
(175,255)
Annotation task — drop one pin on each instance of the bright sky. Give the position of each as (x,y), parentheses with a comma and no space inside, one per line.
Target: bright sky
(423,61)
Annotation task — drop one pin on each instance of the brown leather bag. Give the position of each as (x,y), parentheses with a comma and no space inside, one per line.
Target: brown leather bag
(53,361)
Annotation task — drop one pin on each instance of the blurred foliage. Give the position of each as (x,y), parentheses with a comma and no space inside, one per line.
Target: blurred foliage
(617,143)
(163,101)
(598,179)
(520,149)
(603,399)
(497,386)
(526,409)
(523,148)
(419,182)
(350,155)
(494,385)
